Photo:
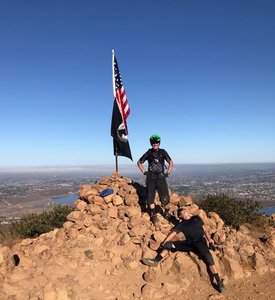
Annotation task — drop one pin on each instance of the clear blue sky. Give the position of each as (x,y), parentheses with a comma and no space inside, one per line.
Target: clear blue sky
(201,74)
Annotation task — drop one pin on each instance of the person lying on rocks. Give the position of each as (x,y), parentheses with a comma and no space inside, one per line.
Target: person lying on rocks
(197,241)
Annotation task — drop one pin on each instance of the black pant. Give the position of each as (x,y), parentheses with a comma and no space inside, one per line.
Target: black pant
(198,247)
(157,182)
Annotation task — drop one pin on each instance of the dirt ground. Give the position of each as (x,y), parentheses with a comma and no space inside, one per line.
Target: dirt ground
(255,287)
(69,271)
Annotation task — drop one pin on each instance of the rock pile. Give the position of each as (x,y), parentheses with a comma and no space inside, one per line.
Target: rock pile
(97,253)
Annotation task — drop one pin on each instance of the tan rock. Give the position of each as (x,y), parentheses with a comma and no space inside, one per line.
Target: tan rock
(202,214)
(62,294)
(26,242)
(75,216)
(72,232)
(170,288)
(138,230)
(84,189)
(93,230)
(185,200)
(246,252)
(116,175)
(88,220)
(6,261)
(116,260)
(216,217)
(152,291)
(219,237)
(154,245)
(137,254)
(131,199)
(233,267)
(61,234)
(133,212)
(258,263)
(122,193)
(97,200)
(159,236)
(194,210)
(122,227)
(132,264)
(124,239)
(174,198)
(94,209)
(117,200)
(51,292)
(17,276)
(112,212)
(184,284)
(40,248)
(148,253)
(150,275)
(109,198)
(167,264)
(91,193)
(244,230)
(212,225)
(80,205)
(99,241)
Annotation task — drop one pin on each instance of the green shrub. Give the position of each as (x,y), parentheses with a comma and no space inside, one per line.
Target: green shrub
(233,212)
(263,221)
(36,224)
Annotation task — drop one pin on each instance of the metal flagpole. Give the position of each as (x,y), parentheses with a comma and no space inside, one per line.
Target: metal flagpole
(114,91)
(116,159)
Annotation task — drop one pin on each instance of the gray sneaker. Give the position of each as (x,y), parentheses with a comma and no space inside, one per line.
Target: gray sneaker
(149,262)
(220,287)
(166,214)
(154,219)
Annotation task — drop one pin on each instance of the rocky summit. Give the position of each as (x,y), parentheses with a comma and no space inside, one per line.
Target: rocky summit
(98,252)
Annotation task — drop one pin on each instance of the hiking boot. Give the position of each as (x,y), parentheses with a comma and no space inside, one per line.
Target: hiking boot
(166,214)
(154,219)
(220,287)
(150,262)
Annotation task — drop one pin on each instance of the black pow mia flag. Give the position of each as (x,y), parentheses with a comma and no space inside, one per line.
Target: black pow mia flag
(121,111)
(119,134)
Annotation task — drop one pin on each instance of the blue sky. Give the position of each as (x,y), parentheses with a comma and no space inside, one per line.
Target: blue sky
(201,74)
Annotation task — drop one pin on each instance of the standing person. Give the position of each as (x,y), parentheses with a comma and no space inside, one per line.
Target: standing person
(196,240)
(155,176)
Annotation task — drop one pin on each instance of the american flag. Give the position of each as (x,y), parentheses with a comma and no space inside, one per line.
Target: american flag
(119,93)
(121,111)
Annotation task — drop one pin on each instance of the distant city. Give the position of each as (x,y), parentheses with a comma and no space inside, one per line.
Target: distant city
(247,181)
(30,190)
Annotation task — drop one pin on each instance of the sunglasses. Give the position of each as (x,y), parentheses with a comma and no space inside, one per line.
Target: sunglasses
(153,143)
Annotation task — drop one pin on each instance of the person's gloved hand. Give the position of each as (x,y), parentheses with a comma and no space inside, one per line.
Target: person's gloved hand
(212,247)
(145,173)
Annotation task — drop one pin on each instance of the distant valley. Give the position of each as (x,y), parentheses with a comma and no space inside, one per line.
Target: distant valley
(24,191)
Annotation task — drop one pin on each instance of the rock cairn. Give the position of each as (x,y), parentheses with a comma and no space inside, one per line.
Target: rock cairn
(97,253)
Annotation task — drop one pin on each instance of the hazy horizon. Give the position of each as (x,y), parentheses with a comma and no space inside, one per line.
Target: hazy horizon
(126,167)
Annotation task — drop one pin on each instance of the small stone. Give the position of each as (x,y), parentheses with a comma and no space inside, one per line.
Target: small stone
(89,254)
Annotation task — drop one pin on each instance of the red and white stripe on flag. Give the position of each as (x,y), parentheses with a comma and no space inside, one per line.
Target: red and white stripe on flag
(119,92)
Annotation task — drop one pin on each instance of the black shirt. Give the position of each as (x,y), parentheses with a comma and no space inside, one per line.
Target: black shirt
(155,160)
(191,228)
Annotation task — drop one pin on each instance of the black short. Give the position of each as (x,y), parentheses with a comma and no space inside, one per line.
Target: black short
(199,247)
(157,183)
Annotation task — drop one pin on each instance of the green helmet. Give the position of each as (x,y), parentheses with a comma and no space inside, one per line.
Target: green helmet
(154,139)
